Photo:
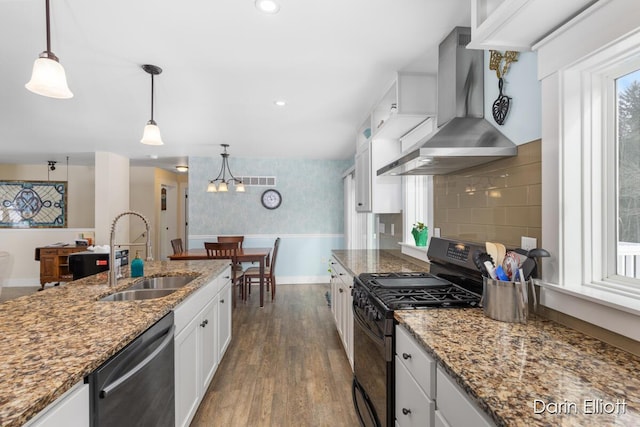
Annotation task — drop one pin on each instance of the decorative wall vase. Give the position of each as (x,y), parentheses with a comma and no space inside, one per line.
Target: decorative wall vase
(420,236)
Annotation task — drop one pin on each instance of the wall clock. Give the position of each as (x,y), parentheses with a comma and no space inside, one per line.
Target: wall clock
(271,199)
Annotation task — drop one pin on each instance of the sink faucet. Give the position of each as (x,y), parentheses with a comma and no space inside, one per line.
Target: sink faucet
(113,277)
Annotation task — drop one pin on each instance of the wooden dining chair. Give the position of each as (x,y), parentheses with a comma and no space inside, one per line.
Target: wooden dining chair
(176,244)
(252,274)
(235,239)
(228,250)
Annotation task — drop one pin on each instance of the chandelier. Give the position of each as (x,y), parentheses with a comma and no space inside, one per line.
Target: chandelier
(221,182)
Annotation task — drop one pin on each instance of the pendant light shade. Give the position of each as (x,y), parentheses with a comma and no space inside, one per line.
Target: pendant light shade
(221,183)
(48,77)
(151,135)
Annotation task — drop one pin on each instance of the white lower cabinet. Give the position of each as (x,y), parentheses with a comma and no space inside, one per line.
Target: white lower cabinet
(425,394)
(341,301)
(413,407)
(203,333)
(415,383)
(455,407)
(69,410)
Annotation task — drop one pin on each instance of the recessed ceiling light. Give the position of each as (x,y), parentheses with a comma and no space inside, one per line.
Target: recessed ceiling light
(280,102)
(268,6)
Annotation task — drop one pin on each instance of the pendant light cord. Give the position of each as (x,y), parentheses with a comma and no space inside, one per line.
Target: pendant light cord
(151,95)
(48,27)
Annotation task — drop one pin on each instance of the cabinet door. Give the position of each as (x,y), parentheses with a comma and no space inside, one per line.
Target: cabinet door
(70,410)
(48,268)
(413,407)
(363,179)
(224,320)
(348,321)
(209,335)
(455,406)
(187,372)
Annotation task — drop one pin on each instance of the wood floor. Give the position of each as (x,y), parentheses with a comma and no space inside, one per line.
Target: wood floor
(285,366)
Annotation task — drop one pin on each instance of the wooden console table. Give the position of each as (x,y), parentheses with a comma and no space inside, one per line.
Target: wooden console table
(54,263)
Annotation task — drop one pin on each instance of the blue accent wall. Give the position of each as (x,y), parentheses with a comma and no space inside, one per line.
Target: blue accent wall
(310,220)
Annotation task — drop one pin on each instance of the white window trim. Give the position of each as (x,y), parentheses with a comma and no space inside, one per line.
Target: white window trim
(418,206)
(574,65)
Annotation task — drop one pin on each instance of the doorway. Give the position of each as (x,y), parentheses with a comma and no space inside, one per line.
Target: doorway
(168,220)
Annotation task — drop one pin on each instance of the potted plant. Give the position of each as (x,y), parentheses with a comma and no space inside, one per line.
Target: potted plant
(420,233)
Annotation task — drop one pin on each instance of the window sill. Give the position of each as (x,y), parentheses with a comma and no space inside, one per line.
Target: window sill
(614,310)
(418,252)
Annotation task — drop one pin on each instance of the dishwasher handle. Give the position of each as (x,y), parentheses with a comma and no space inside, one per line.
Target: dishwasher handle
(104,393)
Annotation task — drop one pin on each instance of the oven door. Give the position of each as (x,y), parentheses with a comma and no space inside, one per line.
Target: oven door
(373,371)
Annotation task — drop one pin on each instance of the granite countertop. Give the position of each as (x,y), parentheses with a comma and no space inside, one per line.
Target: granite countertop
(377,261)
(51,340)
(507,368)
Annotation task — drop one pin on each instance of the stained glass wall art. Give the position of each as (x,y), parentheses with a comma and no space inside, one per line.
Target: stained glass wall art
(33,204)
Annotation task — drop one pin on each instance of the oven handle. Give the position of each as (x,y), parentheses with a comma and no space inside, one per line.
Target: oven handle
(357,316)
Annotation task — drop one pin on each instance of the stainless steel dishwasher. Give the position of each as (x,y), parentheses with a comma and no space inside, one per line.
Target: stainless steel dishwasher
(136,386)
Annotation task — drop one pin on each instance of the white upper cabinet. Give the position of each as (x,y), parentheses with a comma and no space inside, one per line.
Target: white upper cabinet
(518,24)
(409,100)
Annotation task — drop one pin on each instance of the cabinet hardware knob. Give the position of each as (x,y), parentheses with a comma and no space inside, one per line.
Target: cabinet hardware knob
(406,356)
(359,204)
(221,301)
(341,274)
(340,290)
(204,323)
(406,411)
(227,277)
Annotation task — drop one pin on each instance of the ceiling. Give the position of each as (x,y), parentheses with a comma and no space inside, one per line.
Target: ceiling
(224,64)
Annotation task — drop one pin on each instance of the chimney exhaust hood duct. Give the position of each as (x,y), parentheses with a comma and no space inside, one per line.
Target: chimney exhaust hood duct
(463,137)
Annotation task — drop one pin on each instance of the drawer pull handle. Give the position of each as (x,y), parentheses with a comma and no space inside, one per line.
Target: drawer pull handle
(406,356)
(204,323)
(406,411)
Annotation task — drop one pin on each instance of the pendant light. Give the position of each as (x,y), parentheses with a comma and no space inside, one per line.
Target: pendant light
(221,183)
(48,77)
(151,135)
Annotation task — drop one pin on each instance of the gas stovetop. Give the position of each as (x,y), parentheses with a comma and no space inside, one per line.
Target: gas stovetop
(399,291)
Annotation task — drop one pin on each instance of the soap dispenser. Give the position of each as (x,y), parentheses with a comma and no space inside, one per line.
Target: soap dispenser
(137,266)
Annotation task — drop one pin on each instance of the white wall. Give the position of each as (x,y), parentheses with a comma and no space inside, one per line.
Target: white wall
(112,196)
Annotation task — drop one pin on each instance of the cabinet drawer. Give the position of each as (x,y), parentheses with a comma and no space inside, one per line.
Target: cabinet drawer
(421,366)
(48,252)
(456,406)
(413,407)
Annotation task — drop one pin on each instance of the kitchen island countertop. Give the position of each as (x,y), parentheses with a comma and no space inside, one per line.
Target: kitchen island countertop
(507,368)
(51,340)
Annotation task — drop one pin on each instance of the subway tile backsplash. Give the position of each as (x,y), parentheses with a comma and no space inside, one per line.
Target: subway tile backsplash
(499,201)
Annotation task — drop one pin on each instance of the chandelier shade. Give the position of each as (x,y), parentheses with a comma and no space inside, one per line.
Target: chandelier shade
(151,134)
(47,76)
(221,183)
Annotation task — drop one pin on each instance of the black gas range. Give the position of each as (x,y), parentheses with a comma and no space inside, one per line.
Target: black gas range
(452,282)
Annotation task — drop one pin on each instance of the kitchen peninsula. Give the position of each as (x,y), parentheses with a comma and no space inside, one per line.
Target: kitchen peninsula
(51,340)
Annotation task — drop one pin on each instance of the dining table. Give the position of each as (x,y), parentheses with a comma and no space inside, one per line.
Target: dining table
(259,255)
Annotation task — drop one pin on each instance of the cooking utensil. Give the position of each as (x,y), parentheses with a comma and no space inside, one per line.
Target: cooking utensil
(534,254)
(501,251)
(492,250)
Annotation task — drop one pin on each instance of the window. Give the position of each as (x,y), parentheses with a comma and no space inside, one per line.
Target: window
(628,174)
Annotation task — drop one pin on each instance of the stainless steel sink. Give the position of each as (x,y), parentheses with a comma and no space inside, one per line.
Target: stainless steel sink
(138,294)
(162,282)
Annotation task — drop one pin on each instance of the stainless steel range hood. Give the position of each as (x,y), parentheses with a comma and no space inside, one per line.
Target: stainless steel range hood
(463,137)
